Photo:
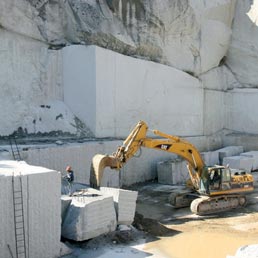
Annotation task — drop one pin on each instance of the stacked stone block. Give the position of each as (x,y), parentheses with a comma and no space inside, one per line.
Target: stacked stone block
(41,210)
(229,151)
(239,162)
(65,204)
(172,171)
(89,215)
(125,203)
(254,155)
(210,158)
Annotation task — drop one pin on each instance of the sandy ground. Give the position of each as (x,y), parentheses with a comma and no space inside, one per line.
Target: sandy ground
(161,231)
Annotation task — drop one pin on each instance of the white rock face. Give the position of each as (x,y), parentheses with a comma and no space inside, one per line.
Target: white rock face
(241,111)
(242,57)
(19,16)
(31,88)
(112,96)
(152,30)
(216,82)
(215,18)
(41,206)
(219,79)
(193,36)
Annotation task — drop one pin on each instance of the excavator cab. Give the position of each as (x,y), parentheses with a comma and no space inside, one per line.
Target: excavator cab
(221,189)
(222,180)
(219,179)
(211,179)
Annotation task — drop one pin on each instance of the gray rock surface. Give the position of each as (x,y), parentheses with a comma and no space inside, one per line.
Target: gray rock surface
(125,203)
(242,56)
(151,29)
(239,162)
(229,151)
(214,41)
(254,155)
(210,158)
(88,216)
(172,172)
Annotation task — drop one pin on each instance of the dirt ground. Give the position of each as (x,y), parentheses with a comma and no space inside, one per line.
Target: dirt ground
(161,231)
(196,236)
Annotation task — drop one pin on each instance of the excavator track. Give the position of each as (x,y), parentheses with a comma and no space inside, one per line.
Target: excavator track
(182,199)
(210,205)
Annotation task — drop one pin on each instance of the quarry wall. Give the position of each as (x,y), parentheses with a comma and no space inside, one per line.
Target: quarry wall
(141,168)
(121,90)
(91,69)
(200,50)
(176,32)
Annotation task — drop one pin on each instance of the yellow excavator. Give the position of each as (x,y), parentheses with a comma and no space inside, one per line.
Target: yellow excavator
(211,189)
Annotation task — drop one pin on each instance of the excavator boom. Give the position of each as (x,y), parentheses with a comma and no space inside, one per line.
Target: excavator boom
(214,189)
(137,139)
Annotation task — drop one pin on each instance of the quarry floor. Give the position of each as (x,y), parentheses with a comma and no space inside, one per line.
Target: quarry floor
(161,231)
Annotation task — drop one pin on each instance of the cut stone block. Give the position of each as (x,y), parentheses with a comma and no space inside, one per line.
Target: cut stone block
(254,155)
(172,172)
(104,96)
(210,158)
(125,203)
(65,203)
(89,216)
(239,162)
(229,151)
(41,209)
(242,115)
(165,175)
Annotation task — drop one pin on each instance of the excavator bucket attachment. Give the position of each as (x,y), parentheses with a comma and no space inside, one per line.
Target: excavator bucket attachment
(98,164)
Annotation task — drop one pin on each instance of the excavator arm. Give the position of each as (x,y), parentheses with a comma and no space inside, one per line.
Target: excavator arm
(137,139)
(210,194)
